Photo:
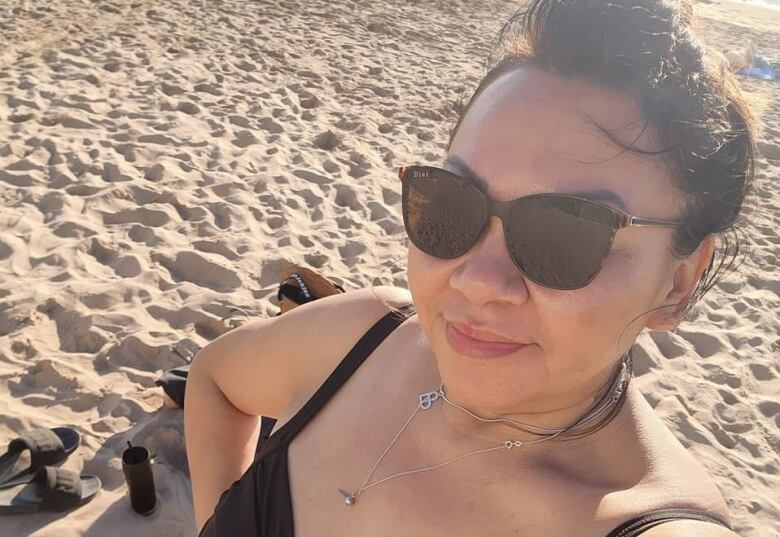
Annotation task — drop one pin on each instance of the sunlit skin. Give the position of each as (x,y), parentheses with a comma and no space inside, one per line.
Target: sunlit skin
(528,133)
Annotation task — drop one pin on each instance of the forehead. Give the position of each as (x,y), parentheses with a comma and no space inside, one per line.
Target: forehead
(530,131)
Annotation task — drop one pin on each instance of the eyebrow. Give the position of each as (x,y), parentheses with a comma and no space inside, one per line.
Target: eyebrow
(470,175)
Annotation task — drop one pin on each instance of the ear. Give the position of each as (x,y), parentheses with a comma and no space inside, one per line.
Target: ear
(686,274)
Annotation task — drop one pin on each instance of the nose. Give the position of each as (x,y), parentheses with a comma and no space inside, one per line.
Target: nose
(487,273)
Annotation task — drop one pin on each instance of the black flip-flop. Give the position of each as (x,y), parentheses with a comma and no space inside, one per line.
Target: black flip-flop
(46,446)
(50,489)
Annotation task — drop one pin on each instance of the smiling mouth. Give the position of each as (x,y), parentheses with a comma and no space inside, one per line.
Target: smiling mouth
(476,348)
(481,335)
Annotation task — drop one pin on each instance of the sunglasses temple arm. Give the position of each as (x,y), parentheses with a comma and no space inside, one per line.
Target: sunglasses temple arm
(634,221)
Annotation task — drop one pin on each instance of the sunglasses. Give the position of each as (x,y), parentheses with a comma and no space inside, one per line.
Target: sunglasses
(558,241)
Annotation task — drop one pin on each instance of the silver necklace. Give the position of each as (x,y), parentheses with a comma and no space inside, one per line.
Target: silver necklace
(427,399)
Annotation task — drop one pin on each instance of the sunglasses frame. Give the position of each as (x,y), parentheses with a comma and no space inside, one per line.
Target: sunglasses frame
(501,210)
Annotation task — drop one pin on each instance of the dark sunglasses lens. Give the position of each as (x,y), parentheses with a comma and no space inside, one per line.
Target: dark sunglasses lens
(443,215)
(559,242)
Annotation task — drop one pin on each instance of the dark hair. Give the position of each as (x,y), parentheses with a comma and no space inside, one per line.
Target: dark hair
(648,50)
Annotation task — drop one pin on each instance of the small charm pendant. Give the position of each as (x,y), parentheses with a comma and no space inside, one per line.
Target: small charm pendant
(427,398)
(509,444)
(349,499)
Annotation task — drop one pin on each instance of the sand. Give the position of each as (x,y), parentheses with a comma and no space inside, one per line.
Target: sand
(160,162)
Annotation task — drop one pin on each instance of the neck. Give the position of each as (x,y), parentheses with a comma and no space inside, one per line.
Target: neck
(541,427)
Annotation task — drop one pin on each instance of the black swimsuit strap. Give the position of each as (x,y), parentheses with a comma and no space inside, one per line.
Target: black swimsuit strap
(354,358)
(638,525)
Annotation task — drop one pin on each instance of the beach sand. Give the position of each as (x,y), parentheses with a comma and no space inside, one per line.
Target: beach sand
(160,162)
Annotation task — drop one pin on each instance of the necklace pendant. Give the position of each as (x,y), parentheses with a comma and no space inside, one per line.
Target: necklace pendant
(509,444)
(427,399)
(349,499)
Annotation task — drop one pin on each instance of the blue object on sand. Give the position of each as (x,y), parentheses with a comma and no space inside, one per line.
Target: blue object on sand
(761,69)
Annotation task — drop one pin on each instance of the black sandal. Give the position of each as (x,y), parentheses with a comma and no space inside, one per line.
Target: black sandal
(301,285)
(50,489)
(46,446)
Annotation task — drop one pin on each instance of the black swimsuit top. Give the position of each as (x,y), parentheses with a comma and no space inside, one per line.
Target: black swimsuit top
(259,503)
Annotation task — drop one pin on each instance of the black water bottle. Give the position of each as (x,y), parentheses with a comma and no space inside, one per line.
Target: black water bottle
(137,467)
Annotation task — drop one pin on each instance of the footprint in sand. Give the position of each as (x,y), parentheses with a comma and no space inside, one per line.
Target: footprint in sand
(347,197)
(378,211)
(126,266)
(188,107)
(45,374)
(216,247)
(83,190)
(140,215)
(312,177)
(271,270)
(199,269)
(316,260)
(144,352)
(114,173)
(358,165)
(211,89)
(769,408)
(761,372)
(705,345)
(5,251)
(275,222)
(390,227)
(143,234)
(390,197)
(24,349)
(75,330)
(327,141)
(268,124)
(207,326)
(331,167)
(20,180)
(351,252)
(667,345)
(718,375)
(51,205)
(643,362)
(155,172)
(222,214)
(244,139)
(102,300)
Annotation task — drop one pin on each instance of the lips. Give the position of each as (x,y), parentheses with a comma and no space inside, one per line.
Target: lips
(481,334)
(477,348)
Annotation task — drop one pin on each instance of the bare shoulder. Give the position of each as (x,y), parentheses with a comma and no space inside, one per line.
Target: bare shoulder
(268,365)
(328,328)
(676,479)
(689,528)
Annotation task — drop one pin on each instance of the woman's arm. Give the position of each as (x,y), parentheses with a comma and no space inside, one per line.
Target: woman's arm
(220,438)
(266,367)
(243,374)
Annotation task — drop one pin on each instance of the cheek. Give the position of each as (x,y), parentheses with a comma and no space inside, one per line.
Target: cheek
(598,318)
(428,279)
(426,275)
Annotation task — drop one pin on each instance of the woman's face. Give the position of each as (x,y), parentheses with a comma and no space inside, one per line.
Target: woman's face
(528,133)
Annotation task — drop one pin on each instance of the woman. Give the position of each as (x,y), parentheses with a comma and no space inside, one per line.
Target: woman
(585,196)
